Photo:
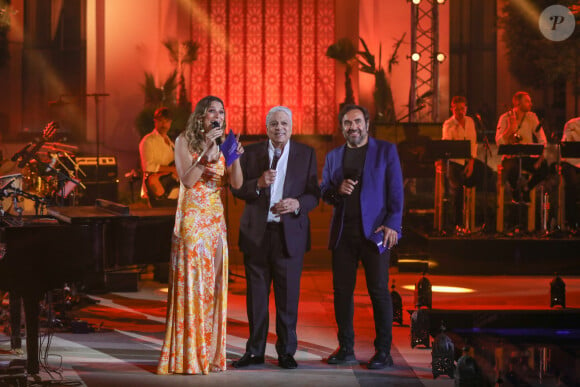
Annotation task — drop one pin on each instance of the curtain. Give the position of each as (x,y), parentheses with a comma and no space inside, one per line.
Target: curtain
(256,54)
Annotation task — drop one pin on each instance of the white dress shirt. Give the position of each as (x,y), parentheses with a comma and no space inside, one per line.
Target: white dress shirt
(277,188)
(155,150)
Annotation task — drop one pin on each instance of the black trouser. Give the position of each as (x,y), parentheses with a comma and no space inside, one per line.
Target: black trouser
(15,320)
(571,176)
(457,180)
(511,171)
(271,263)
(352,247)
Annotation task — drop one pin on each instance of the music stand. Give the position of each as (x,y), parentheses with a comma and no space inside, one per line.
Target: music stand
(445,150)
(570,149)
(448,149)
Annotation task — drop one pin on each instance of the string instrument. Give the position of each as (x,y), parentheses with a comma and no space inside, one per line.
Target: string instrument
(160,184)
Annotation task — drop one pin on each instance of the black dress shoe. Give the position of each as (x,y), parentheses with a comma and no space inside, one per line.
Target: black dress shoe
(248,359)
(380,360)
(287,361)
(342,357)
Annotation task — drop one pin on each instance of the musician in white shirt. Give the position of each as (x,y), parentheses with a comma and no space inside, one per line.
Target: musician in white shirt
(461,172)
(521,126)
(571,174)
(157,159)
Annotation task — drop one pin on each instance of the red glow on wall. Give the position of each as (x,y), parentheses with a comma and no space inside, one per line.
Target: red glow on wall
(256,54)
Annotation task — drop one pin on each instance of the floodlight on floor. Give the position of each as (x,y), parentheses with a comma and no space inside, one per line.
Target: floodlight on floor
(423,293)
(557,292)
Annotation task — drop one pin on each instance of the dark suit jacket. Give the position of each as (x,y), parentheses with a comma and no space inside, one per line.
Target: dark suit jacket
(301,183)
(381,196)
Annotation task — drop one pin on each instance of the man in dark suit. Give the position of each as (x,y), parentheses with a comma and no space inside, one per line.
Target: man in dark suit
(280,188)
(363,181)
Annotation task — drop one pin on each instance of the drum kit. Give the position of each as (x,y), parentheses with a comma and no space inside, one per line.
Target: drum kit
(45,172)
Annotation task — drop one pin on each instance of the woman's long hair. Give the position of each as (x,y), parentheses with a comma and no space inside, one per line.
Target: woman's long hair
(194,130)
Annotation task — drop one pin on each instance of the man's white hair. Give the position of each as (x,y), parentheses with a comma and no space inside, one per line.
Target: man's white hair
(279,109)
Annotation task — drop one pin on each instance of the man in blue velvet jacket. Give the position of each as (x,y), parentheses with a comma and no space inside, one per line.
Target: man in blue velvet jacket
(362,180)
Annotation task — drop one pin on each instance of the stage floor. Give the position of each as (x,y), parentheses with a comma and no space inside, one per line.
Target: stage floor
(124,349)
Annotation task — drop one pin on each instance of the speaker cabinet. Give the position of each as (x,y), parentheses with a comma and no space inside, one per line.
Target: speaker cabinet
(104,190)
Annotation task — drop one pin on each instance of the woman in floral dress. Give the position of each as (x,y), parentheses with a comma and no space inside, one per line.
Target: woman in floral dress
(195,336)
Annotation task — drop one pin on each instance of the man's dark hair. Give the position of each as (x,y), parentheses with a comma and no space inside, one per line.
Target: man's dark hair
(458,99)
(346,108)
(162,112)
(518,96)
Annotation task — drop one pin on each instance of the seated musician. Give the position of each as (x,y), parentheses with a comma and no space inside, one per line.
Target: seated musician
(520,125)
(571,175)
(157,161)
(461,172)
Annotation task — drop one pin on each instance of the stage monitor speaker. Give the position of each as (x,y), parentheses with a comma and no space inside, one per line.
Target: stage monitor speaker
(106,190)
(107,168)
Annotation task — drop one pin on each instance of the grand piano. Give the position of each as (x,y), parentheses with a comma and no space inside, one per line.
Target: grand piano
(76,244)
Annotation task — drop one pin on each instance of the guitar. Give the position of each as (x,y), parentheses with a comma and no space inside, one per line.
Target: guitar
(160,184)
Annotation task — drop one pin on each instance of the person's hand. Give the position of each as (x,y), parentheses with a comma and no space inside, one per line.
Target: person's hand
(347,186)
(468,170)
(512,123)
(211,134)
(240,148)
(285,206)
(267,178)
(391,237)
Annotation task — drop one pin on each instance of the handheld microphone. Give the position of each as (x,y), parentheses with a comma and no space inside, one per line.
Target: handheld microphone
(352,174)
(277,154)
(218,140)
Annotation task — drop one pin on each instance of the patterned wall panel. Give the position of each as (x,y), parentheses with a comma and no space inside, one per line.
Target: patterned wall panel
(256,54)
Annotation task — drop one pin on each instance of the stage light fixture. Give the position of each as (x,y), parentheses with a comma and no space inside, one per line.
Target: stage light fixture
(423,293)
(440,57)
(416,2)
(415,57)
(441,2)
(557,292)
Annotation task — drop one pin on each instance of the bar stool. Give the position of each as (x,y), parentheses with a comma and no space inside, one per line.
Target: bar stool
(469,199)
(501,203)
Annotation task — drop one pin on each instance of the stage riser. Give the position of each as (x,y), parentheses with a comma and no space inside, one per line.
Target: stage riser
(478,256)
(555,319)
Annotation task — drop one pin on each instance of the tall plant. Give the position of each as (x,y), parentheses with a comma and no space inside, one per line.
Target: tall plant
(382,94)
(344,52)
(172,93)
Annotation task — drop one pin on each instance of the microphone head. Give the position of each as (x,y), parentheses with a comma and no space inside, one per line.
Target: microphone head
(277,152)
(218,140)
(352,174)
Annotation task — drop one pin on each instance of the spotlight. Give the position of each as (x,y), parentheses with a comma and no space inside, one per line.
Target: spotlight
(557,292)
(441,2)
(440,57)
(416,2)
(415,57)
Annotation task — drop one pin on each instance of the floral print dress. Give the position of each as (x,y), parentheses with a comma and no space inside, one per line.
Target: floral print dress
(195,336)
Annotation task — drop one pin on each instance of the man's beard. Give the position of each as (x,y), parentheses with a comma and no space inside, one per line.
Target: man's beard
(357,140)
